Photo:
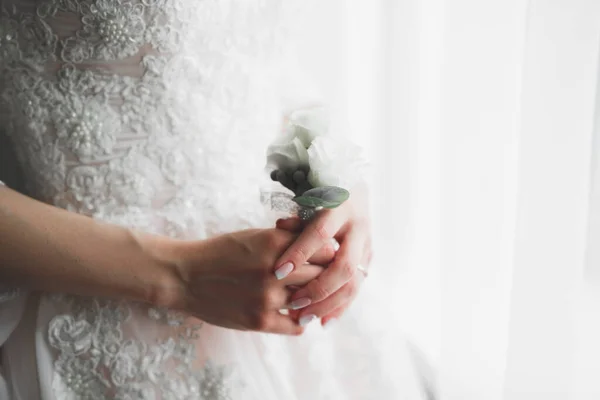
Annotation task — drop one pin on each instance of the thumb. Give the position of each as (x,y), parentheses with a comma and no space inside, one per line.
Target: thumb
(292,224)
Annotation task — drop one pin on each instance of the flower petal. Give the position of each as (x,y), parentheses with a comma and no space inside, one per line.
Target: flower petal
(335,162)
(288,157)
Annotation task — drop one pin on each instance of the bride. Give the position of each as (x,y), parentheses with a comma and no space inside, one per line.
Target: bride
(142,263)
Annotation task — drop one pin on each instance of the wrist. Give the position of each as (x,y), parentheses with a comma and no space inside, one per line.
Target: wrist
(164,280)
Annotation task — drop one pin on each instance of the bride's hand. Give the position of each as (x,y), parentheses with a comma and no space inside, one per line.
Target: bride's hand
(328,295)
(227,280)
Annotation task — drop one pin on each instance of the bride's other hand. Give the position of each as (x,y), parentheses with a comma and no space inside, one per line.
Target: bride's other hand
(328,295)
(227,280)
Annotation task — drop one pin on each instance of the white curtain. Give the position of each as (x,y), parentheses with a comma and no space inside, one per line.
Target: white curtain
(479,116)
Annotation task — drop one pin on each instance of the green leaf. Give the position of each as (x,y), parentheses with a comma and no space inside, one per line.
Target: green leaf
(326,197)
(328,193)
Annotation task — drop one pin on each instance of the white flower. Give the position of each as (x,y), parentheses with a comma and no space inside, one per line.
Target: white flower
(306,145)
(288,156)
(289,152)
(335,162)
(307,125)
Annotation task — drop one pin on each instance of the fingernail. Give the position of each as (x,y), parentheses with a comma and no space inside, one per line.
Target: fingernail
(284,270)
(331,322)
(307,319)
(300,303)
(336,245)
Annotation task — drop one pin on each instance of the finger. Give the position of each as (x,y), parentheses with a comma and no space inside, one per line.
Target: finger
(293,224)
(340,298)
(279,294)
(340,272)
(326,254)
(335,314)
(294,314)
(368,252)
(313,237)
(275,322)
(338,312)
(302,275)
(323,256)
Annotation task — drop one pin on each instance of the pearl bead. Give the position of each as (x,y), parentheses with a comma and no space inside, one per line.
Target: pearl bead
(153,313)
(114,33)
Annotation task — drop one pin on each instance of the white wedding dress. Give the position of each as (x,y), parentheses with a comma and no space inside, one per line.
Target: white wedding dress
(156,114)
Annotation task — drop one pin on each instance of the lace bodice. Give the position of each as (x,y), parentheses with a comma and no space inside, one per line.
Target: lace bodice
(138,111)
(154,114)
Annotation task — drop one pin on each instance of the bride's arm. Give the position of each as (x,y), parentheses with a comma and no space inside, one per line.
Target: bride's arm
(49,249)
(225,280)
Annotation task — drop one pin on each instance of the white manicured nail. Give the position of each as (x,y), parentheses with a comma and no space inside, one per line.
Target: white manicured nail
(300,303)
(284,270)
(307,319)
(336,245)
(330,323)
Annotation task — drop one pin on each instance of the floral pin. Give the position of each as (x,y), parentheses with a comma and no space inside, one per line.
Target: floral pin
(319,169)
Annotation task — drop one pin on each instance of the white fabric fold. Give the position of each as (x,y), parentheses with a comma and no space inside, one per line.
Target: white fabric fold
(11,308)
(11,313)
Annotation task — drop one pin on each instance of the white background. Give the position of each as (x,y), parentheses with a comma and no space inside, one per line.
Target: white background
(479,117)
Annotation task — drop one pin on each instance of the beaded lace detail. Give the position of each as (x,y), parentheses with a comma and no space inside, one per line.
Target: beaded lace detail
(153,114)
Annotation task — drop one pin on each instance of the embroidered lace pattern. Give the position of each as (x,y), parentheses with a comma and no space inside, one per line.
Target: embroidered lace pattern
(152,114)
